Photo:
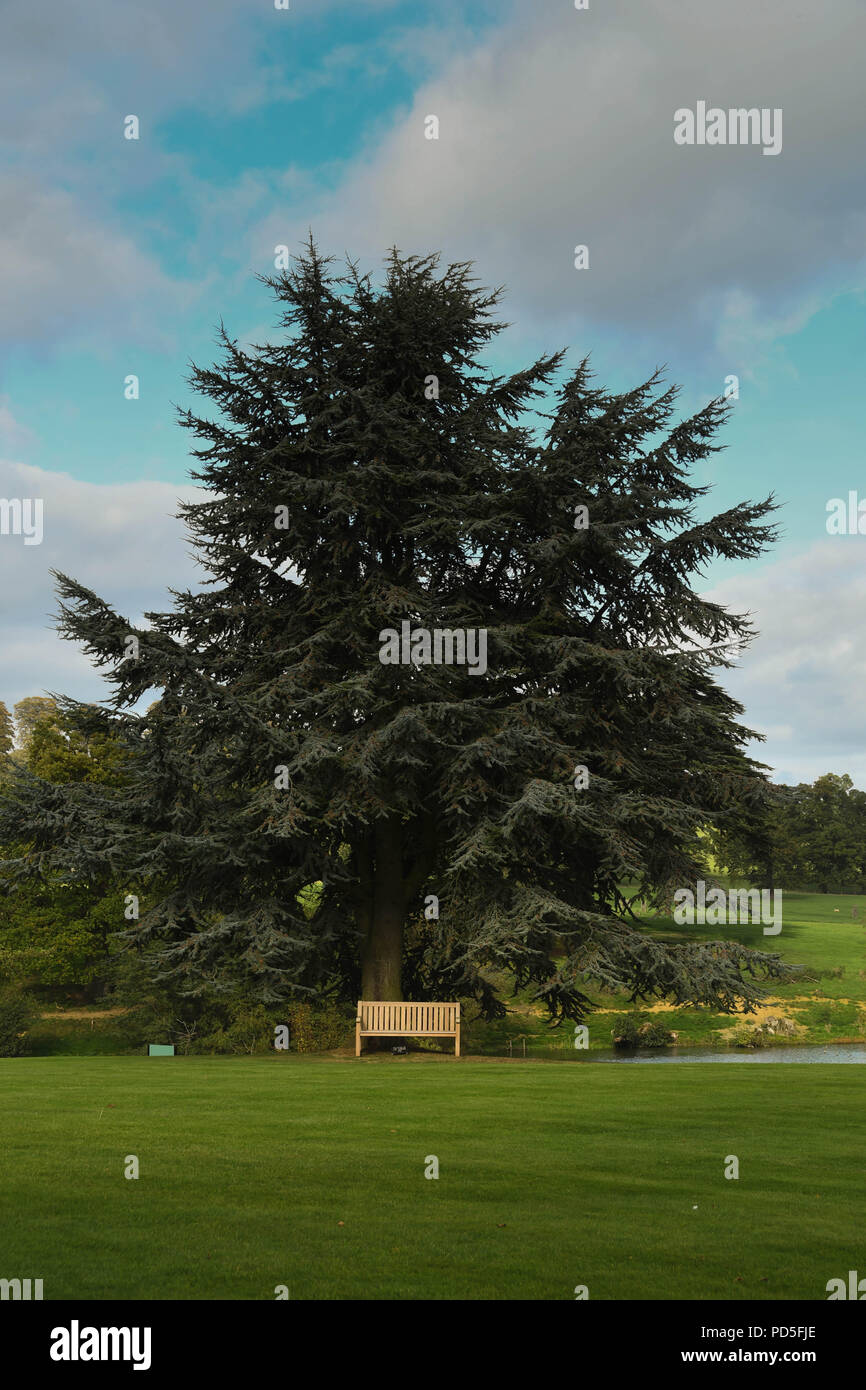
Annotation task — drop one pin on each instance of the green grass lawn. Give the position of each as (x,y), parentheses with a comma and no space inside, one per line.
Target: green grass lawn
(550,1177)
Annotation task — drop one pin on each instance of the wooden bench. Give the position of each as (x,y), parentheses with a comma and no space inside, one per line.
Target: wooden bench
(377,1019)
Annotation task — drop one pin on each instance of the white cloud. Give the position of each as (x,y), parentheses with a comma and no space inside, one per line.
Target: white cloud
(802,682)
(61,270)
(120,539)
(557,130)
(71,267)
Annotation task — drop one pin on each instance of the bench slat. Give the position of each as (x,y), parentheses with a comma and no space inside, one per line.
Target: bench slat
(382,1018)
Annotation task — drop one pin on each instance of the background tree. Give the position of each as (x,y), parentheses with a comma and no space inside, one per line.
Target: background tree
(7,732)
(60,928)
(29,712)
(366,471)
(74,745)
(836,844)
(808,836)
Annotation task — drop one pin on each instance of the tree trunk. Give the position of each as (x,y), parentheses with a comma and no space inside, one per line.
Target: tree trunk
(382,950)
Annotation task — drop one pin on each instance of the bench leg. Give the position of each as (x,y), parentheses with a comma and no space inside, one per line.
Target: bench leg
(357,1037)
(457,1041)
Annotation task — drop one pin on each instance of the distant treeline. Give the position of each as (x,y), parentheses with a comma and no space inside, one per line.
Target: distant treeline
(810,837)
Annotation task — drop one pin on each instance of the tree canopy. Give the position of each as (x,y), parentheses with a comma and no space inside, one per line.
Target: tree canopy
(366,472)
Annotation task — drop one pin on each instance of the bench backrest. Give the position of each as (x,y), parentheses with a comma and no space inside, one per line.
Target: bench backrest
(407,1019)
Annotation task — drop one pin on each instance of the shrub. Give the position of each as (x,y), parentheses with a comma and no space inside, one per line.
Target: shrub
(635,1030)
(624,1031)
(218,1024)
(156,1013)
(16,1016)
(249,1029)
(654,1034)
(319,1027)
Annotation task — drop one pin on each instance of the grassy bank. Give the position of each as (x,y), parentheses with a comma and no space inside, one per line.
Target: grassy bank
(827,1002)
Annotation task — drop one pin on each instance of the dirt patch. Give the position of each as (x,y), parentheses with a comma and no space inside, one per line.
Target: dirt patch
(92,1014)
(759,1013)
(756,1019)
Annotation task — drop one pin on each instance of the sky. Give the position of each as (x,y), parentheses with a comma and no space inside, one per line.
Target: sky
(119,257)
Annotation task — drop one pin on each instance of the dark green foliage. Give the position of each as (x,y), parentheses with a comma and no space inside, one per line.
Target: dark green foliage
(214,1024)
(320,1028)
(156,1013)
(33,710)
(17,1014)
(57,928)
(435,965)
(347,496)
(637,1030)
(56,933)
(248,1029)
(811,837)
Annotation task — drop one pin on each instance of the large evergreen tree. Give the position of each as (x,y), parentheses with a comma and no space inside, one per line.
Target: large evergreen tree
(367,471)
